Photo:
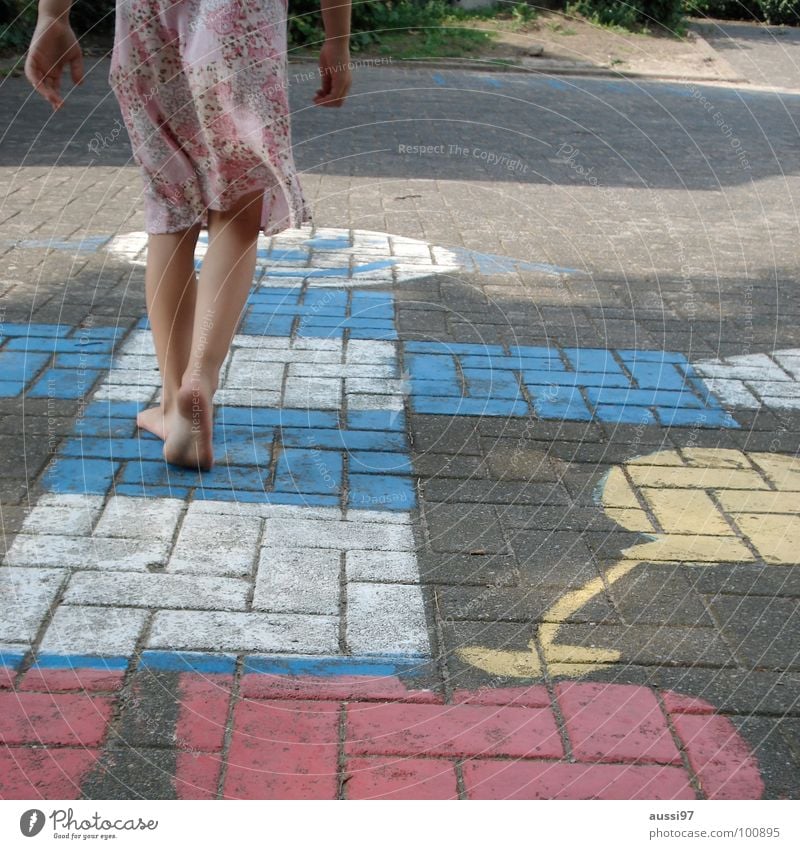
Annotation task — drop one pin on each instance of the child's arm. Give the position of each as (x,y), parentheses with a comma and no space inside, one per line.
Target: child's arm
(53,46)
(334,57)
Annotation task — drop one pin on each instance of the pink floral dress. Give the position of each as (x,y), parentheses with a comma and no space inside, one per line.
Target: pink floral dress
(202,89)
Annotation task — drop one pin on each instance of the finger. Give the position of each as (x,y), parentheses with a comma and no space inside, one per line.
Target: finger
(42,83)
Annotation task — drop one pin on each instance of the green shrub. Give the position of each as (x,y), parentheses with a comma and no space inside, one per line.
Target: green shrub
(781,11)
(772,11)
(632,14)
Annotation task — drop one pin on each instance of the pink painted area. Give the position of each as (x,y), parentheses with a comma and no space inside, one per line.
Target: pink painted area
(535,696)
(44,773)
(197,775)
(203,711)
(7,678)
(537,780)
(400,778)
(284,750)
(452,730)
(342,687)
(722,761)
(678,703)
(65,719)
(85,680)
(616,722)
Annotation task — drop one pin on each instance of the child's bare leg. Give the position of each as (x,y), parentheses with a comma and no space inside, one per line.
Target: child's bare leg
(224,283)
(170,287)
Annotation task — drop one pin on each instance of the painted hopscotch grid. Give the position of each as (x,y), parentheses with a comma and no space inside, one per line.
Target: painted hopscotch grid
(573,384)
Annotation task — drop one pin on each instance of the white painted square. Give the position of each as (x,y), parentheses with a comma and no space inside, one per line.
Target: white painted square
(386,619)
(25,599)
(145,518)
(312,393)
(382,566)
(94,631)
(65,515)
(298,580)
(215,543)
(302,533)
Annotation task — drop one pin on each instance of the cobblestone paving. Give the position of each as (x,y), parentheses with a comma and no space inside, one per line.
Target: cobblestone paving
(506,500)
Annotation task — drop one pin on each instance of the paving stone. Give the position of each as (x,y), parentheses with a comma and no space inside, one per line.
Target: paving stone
(157,591)
(25,599)
(93,631)
(283,750)
(553,558)
(86,552)
(300,533)
(653,595)
(386,619)
(613,723)
(65,515)
(411,778)
(762,631)
(252,632)
(382,566)
(487,779)
(67,719)
(132,773)
(27,773)
(464,528)
(211,543)
(298,580)
(133,518)
(778,765)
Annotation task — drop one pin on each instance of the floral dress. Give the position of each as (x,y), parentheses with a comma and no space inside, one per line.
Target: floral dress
(202,89)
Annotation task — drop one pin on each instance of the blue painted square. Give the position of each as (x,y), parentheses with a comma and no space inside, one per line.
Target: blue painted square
(498,384)
(559,402)
(115,449)
(272,417)
(63,383)
(105,427)
(379,492)
(309,471)
(329,297)
(631,355)
(642,397)
(624,414)
(391,420)
(11,388)
(259,325)
(696,418)
(19,366)
(468,407)
(344,440)
(46,330)
(113,409)
(68,475)
(142,491)
(538,352)
(570,378)
(91,361)
(241,446)
(378,462)
(388,335)
(592,359)
(98,332)
(437,388)
(654,375)
(431,367)
(311,330)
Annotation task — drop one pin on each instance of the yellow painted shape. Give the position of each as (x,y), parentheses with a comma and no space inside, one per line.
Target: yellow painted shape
(674,490)
(783,472)
(776,538)
(509,664)
(761,501)
(716,458)
(692,547)
(617,492)
(696,478)
(686,511)
(632,519)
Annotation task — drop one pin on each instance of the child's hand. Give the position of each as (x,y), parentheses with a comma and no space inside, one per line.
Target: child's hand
(53,46)
(334,68)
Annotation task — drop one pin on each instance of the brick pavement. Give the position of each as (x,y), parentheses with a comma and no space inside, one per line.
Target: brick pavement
(511,440)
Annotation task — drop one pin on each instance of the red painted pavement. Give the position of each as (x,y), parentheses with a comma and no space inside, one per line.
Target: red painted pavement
(357,737)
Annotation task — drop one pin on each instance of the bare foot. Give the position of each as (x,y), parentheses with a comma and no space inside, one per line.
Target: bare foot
(189,427)
(152,420)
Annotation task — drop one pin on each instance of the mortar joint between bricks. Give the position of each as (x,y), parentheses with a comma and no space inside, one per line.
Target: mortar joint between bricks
(561,722)
(461,788)
(441,653)
(228,735)
(342,776)
(693,778)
